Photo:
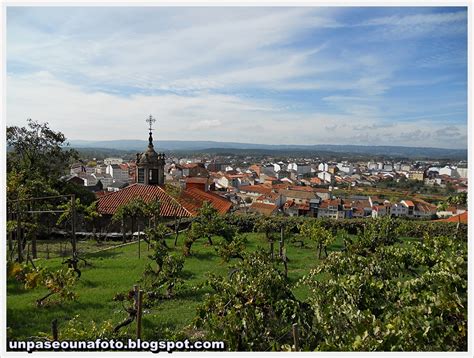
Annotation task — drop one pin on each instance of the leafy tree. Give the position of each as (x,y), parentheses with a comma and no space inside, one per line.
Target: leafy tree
(76,329)
(37,157)
(392,298)
(167,272)
(208,224)
(157,235)
(376,232)
(58,282)
(65,188)
(38,151)
(167,276)
(269,227)
(92,215)
(252,309)
(132,210)
(315,231)
(151,210)
(232,249)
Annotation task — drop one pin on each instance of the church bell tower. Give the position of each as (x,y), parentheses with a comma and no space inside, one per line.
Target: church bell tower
(150,164)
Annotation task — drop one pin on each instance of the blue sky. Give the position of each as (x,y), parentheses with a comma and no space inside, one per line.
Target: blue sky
(309,75)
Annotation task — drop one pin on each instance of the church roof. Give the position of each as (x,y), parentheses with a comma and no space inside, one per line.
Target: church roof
(188,203)
(108,204)
(193,198)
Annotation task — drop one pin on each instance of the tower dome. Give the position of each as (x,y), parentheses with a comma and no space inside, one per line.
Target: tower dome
(150,164)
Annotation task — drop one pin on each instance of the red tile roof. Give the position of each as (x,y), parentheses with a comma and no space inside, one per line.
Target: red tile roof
(456,218)
(269,196)
(261,189)
(193,198)
(425,207)
(256,168)
(170,207)
(330,202)
(281,186)
(265,209)
(196,180)
(301,188)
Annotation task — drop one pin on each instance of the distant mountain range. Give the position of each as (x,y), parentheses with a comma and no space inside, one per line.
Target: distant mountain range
(234,147)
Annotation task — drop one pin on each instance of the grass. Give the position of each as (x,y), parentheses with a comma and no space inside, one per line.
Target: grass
(118,269)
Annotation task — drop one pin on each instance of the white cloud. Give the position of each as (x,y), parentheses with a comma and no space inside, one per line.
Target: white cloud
(205,124)
(97,73)
(399,27)
(102,116)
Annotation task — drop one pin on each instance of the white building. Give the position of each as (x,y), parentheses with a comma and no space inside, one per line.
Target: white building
(300,168)
(323,167)
(399,210)
(110,161)
(447,170)
(462,172)
(117,172)
(325,176)
(346,168)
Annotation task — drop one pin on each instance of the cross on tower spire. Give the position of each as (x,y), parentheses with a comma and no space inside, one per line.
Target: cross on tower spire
(150,120)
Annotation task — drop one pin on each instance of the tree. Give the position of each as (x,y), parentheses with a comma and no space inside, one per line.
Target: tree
(58,282)
(166,275)
(208,224)
(253,308)
(132,210)
(314,231)
(157,235)
(232,249)
(37,151)
(269,227)
(37,157)
(392,298)
(92,215)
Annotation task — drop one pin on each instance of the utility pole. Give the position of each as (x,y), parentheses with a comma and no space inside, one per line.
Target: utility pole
(73,224)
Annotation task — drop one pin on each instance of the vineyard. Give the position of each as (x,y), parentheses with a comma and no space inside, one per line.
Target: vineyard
(349,285)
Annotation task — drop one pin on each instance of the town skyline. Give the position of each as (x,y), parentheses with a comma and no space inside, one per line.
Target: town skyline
(313,75)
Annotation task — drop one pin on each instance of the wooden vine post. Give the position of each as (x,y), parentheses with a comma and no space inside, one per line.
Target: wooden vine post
(138,227)
(282,243)
(296,337)
(139,313)
(285,262)
(54,329)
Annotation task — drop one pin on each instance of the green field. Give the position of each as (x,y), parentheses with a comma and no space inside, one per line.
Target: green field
(118,269)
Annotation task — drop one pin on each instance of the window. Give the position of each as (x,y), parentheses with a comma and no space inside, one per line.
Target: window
(141,175)
(153,176)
